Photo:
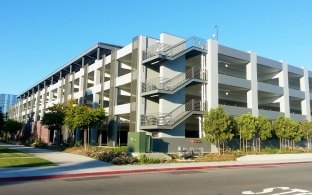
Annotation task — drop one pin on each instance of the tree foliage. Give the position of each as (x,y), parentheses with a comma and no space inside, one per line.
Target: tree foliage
(69,116)
(216,127)
(246,125)
(306,129)
(84,117)
(287,130)
(263,130)
(10,127)
(1,119)
(54,118)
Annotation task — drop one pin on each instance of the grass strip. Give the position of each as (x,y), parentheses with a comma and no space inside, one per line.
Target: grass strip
(19,159)
(5,153)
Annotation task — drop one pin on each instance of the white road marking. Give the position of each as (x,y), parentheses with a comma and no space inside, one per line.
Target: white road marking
(285,190)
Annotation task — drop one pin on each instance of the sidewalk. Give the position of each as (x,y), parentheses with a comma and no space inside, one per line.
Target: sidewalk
(72,165)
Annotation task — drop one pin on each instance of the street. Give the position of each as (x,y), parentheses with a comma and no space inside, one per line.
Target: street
(287,179)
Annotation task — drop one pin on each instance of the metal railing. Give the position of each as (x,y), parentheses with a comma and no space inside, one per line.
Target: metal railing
(168,84)
(173,50)
(170,119)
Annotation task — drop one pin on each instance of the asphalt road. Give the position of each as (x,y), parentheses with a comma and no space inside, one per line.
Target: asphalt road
(287,179)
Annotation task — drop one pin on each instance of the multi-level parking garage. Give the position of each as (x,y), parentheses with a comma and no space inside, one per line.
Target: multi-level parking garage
(163,86)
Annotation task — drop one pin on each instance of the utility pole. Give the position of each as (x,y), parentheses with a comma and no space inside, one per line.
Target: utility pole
(216,34)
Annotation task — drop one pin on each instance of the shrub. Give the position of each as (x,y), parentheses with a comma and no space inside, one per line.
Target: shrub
(78,143)
(113,157)
(122,149)
(145,160)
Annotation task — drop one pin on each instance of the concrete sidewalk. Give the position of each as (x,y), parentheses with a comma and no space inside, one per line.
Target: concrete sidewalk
(71,165)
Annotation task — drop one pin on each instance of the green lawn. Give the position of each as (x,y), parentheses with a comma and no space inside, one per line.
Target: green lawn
(13,158)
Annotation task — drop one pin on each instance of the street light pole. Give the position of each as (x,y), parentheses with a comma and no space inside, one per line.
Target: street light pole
(216,35)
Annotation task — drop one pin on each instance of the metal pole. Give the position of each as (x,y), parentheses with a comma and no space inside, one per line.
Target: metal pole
(217,33)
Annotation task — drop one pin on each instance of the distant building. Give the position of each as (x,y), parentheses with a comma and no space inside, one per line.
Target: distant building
(6,100)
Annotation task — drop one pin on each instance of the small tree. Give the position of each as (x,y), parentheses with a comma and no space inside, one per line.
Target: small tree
(86,117)
(11,127)
(54,118)
(286,130)
(263,130)
(246,125)
(69,116)
(295,133)
(216,127)
(1,120)
(306,127)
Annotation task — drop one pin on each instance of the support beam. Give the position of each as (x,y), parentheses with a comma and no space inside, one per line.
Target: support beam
(283,82)
(252,95)
(98,51)
(212,91)
(44,96)
(66,86)
(102,81)
(304,86)
(37,103)
(112,128)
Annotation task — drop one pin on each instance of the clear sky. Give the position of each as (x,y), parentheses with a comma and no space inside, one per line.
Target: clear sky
(39,36)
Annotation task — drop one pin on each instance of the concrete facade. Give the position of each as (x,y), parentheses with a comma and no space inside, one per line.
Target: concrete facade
(163,86)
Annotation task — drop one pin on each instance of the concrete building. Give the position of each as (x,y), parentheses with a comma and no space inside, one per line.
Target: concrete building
(163,86)
(6,100)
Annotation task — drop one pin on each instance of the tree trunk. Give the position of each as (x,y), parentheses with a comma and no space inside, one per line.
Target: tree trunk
(85,138)
(218,145)
(100,139)
(88,141)
(60,135)
(240,142)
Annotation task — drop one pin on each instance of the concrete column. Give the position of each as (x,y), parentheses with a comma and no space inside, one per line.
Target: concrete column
(27,110)
(200,131)
(37,104)
(72,88)
(85,76)
(283,82)
(66,91)
(112,128)
(304,86)
(252,94)
(21,98)
(59,90)
(94,130)
(51,91)
(203,85)
(102,81)
(212,91)
(96,100)
(82,84)
(31,99)
(97,77)
(44,97)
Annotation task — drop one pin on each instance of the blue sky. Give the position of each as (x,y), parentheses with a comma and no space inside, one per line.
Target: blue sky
(38,36)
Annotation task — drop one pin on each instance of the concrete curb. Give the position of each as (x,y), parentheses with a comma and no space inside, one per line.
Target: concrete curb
(119,172)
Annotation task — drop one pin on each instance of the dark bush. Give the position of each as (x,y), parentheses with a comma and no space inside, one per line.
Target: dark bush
(113,157)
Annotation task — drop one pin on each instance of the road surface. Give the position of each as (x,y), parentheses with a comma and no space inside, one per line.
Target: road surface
(286,179)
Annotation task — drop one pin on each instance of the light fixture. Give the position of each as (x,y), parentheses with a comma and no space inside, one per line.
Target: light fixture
(155,62)
(226,93)
(226,65)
